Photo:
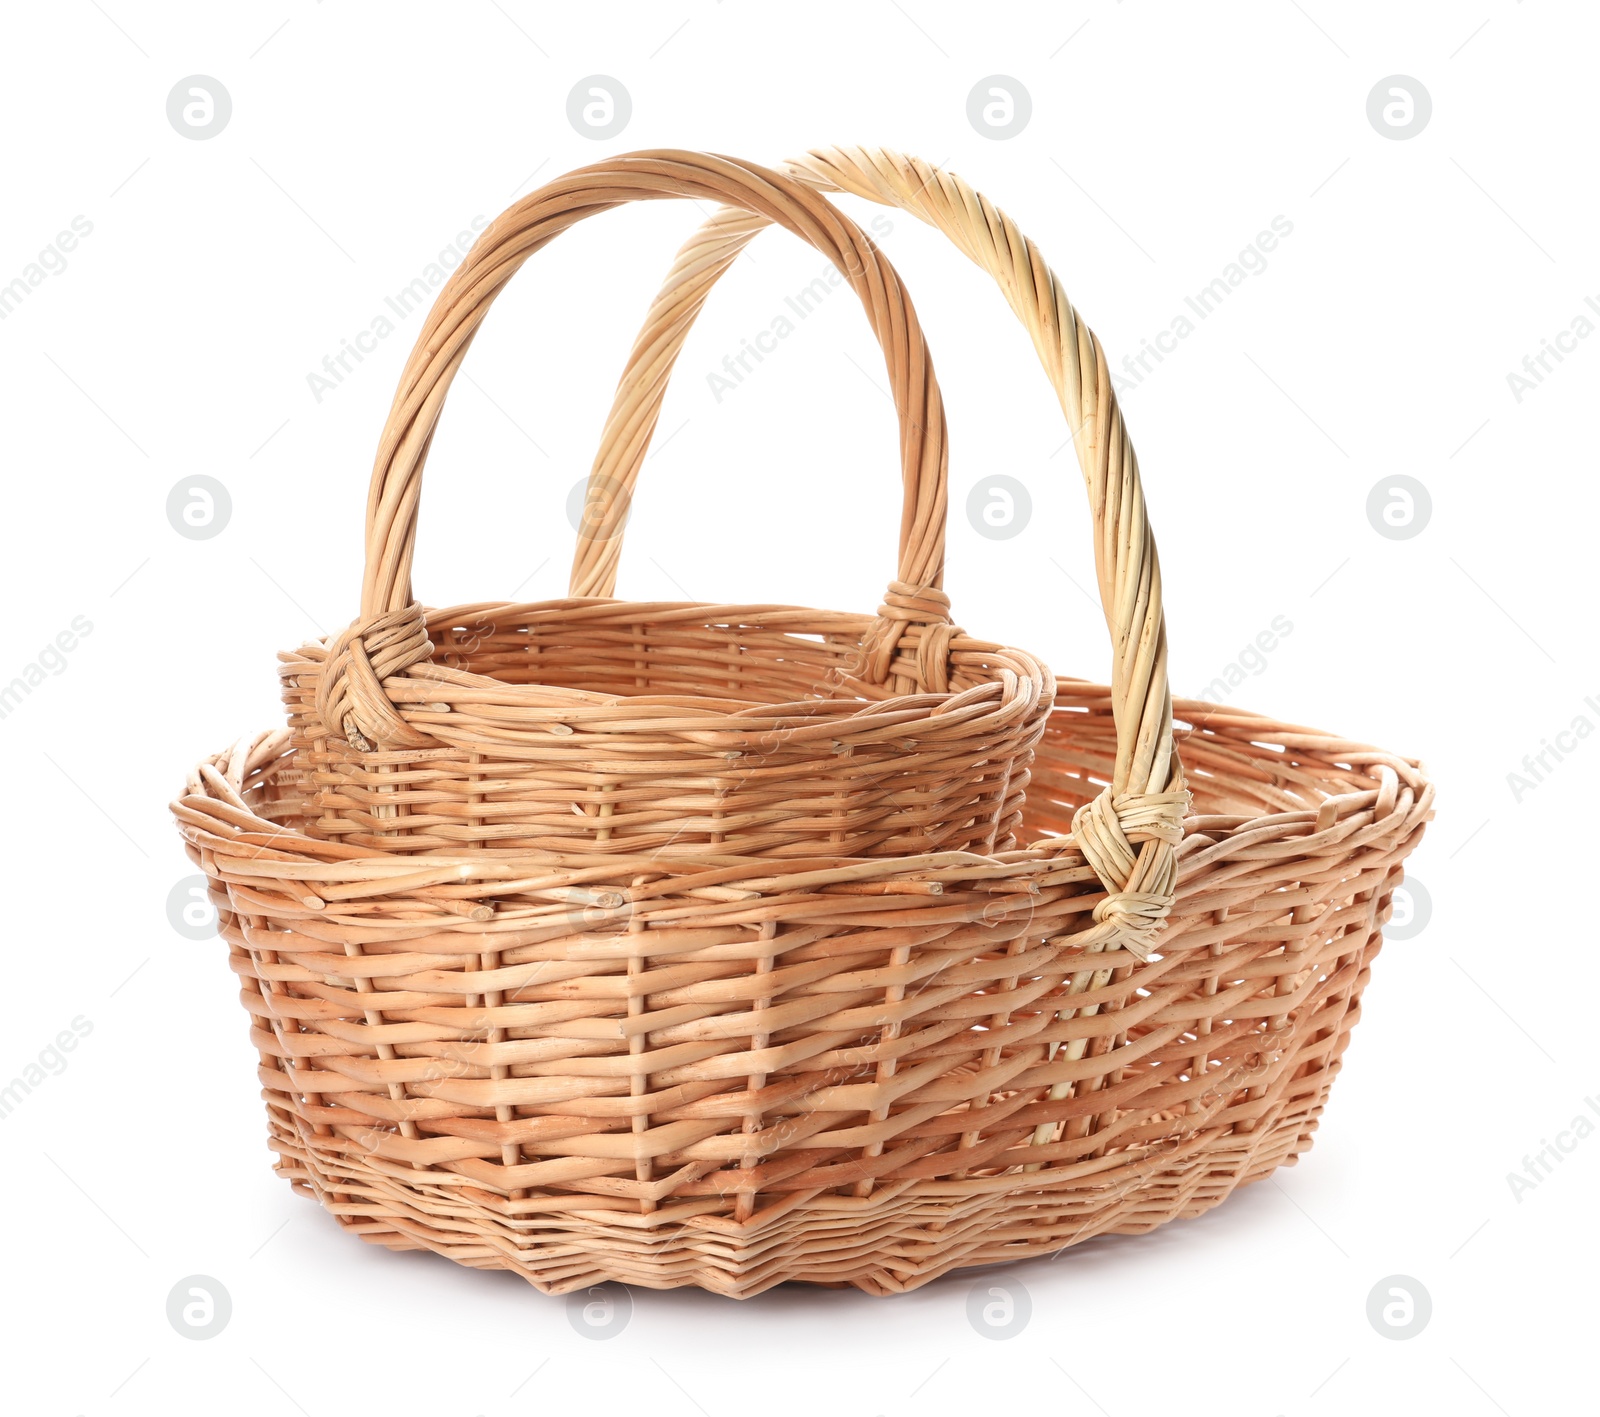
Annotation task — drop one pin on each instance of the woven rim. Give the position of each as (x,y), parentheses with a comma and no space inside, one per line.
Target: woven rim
(1129,831)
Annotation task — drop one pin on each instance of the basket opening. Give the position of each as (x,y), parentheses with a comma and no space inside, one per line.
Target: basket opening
(754,662)
(1229,772)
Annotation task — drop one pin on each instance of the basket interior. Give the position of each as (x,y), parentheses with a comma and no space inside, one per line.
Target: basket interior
(1232,769)
(778,656)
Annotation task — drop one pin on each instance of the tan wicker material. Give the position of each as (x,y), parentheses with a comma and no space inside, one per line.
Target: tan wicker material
(666,1074)
(622,727)
(730,1067)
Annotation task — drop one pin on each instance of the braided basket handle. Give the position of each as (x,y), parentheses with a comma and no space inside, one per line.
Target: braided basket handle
(1129,832)
(390,636)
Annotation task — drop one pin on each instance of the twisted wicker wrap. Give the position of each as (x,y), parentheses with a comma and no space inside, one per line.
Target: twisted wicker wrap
(1105,831)
(905,605)
(350,693)
(1129,832)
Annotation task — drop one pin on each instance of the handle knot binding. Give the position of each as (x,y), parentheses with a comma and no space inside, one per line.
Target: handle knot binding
(1139,880)
(904,605)
(350,694)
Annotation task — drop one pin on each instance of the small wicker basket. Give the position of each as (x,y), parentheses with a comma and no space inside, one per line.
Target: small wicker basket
(730,1035)
(615,728)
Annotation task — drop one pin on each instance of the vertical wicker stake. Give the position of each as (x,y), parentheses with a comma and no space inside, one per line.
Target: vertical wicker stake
(746,1195)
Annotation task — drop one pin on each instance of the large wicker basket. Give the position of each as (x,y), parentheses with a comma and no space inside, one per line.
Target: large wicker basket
(781,1051)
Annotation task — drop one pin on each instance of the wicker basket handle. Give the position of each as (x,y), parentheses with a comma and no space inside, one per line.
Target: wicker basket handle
(391,635)
(1128,833)
(386,600)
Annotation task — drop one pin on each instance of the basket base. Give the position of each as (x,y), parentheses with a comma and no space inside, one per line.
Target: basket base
(889,1243)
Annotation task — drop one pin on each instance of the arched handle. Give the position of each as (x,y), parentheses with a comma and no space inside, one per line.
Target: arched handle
(389,636)
(1129,832)
(521,230)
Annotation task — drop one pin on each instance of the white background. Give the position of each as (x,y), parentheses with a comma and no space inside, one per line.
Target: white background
(178,339)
